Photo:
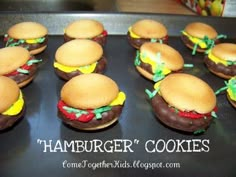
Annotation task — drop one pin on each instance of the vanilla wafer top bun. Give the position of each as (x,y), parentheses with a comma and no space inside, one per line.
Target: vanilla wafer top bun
(188,93)
(27,30)
(200,30)
(225,51)
(79,52)
(84,28)
(89,91)
(169,56)
(12,58)
(9,93)
(148,28)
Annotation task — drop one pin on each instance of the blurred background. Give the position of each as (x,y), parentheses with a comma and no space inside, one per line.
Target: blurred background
(186,7)
(150,6)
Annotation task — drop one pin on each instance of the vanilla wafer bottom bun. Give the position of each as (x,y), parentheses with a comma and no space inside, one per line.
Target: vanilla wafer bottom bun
(89,91)
(26,82)
(222,75)
(192,46)
(92,127)
(188,93)
(144,73)
(38,50)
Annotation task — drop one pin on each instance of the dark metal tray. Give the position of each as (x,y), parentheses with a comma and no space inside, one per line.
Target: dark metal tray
(22,148)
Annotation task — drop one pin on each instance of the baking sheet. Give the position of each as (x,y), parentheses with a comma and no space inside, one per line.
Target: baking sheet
(22,148)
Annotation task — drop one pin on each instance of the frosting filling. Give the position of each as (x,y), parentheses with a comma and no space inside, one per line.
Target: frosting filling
(83,69)
(195,40)
(158,68)
(16,107)
(29,44)
(132,34)
(218,60)
(88,115)
(25,69)
(101,38)
(229,69)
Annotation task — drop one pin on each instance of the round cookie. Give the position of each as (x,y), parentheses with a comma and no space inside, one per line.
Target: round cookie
(154,60)
(30,35)
(221,60)
(176,103)
(12,106)
(75,57)
(90,102)
(199,36)
(86,29)
(147,30)
(17,64)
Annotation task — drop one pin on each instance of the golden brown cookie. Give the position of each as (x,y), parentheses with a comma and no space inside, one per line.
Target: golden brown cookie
(199,36)
(154,60)
(86,29)
(11,103)
(30,35)
(184,102)
(221,60)
(90,102)
(147,30)
(89,91)
(17,64)
(79,56)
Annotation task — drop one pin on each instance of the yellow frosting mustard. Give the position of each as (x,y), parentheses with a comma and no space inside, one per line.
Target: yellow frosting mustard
(16,107)
(157,85)
(154,64)
(119,99)
(231,94)
(216,59)
(195,40)
(84,69)
(35,41)
(31,41)
(132,34)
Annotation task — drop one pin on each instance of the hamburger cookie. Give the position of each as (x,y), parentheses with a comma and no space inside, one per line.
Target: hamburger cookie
(30,35)
(86,29)
(90,102)
(12,105)
(176,103)
(230,90)
(146,30)
(154,61)
(79,56)
(17,64)
(200,37)
(221,60)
